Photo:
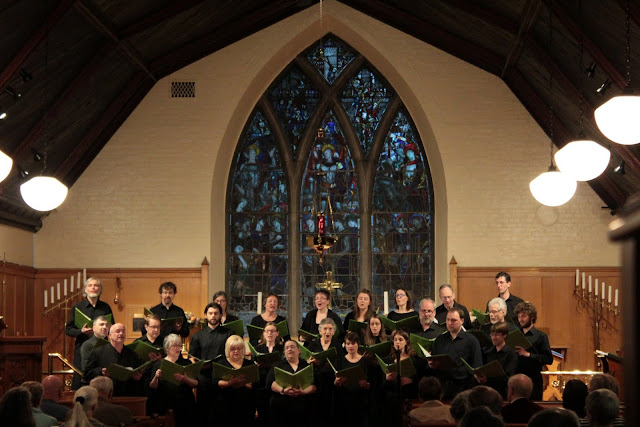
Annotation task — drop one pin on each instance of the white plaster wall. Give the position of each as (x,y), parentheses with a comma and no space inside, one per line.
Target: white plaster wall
(154,196)
(16,245)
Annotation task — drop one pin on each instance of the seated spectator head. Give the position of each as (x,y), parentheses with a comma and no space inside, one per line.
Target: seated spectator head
(485,396)
(430,388)
(15,408)
(602,406)
(85,403)
(480,417)
(556,417)
(519,386)
(607,381)
(52,387)
(574,397)
(459,405)
(36,390)
(104,385)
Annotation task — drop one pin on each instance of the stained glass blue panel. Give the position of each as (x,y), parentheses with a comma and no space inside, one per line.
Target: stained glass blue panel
(330,56)
(365,98)
(402,228)
(294,99)
(257,212)
(334,193)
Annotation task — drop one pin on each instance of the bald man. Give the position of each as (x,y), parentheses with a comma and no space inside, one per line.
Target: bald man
(115,352)
(52,393)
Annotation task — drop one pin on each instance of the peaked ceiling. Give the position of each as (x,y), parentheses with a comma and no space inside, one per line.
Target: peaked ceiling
(93,61)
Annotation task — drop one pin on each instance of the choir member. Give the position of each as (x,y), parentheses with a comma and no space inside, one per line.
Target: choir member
(314,317)
(362,310)
(220,298)
(269,343)
(375,334)
(396,390)
(168,310)
(404,307)
(271,303)
(504,354)
(351,400)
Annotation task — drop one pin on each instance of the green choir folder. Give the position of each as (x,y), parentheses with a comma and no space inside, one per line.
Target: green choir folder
(425,343)
(170,322)
(481,317)
(250,373)
(124,373)
(408,324)
(492,369)
(237,327)
(353,375)
(265,358)
(517,339)
(255,332)
(143,349)
(308,336)
(321,356)
(301,379)
(169,368)
(355,326)
(81,319)
(381,349)
(407,369)
(446,363)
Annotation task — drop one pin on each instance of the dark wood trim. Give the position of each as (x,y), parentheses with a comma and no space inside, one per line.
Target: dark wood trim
(530,13)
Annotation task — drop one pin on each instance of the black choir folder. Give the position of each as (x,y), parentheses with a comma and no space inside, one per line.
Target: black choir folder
(301,379)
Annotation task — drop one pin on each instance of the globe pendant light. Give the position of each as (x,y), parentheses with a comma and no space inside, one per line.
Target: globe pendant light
(617,118)
(43,193)
(553,188)
(582,159)
(5,165)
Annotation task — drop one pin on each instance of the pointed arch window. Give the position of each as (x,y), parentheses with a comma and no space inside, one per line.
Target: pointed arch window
(330,134)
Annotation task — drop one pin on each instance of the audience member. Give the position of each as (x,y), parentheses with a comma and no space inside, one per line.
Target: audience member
(520,408)
(432,410)
(556,417)
(485,396)
(574,397)
(107,412)
(603,408)
(459,405)
(607,381)
(52,393)
(481,416)
(15,408)
(85,403)
(41,419)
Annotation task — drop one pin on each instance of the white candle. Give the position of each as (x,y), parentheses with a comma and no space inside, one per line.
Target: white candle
(65,287)
(65,281)
(58,290)
(609,294)
(45,298)
(79,277)
(583,280)
(51,295)
(84,276)
(577,278)
(259,302)
(596,287)
(590,284)
(603,289)
(386,302)
(616,298)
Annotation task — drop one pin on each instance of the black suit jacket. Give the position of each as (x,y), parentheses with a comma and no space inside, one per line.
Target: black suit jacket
(520,411)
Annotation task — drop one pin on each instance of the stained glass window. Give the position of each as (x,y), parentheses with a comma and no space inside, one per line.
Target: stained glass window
(295,100)
(402,213)
(383,226)
(258,221)
(365,98)
(330,57)
(329,187)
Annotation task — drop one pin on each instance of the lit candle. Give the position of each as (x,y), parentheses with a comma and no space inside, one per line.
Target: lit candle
(51,295)
(259,302)
(65,287)
(45,298)
(577,278)
(590,286)
(386,302)
(583,280)
(616,298)
(609,294)
(58,290)
(596,287)
(603,291)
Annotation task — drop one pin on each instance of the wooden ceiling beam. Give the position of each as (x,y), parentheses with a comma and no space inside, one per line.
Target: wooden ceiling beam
(174,8)
(530,13)
(21,56)
(223,36)
(95,18)
(604,187)
(53,110)
(590,46)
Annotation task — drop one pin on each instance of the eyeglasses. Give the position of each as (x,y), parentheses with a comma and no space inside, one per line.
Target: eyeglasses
(270,331)
(494,311)
(400,295)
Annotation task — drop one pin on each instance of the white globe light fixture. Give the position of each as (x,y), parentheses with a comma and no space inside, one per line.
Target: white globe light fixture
(583,159)
(43,193)
(6,163)
(553,188)
(617,118)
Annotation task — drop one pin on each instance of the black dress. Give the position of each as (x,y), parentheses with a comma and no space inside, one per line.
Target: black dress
(261,390)
(393,401)
(167,396)
(309,323)
(325,377)
(285,410)
(237,405)
(395,316)
(261,323)
(351,401)
(352,316)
